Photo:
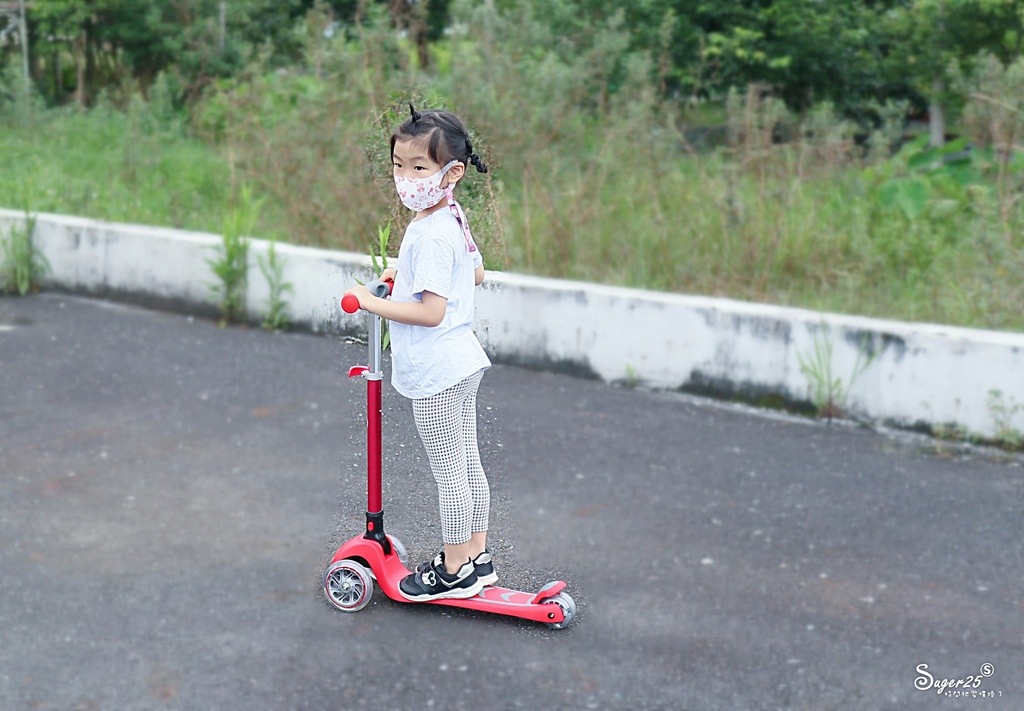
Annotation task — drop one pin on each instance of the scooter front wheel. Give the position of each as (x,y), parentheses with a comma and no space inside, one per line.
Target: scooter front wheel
(348,585)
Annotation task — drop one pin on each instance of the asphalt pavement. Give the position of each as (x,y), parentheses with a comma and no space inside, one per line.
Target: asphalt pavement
(171,492)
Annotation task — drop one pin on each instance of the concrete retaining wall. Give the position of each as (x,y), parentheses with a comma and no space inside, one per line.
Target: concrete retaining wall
(919,375)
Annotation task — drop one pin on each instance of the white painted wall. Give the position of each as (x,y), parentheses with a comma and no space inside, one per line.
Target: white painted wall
(921,374)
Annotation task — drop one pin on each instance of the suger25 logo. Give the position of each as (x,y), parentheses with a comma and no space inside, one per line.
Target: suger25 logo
(926,680)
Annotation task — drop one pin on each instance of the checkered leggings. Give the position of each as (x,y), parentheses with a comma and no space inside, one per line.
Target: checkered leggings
(447,425)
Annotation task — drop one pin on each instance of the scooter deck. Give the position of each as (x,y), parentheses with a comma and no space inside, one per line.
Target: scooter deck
(389,571)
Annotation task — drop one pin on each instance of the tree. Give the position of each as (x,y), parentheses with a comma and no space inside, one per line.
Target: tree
(423,21)
(925,36)
(111,41)
(803,50)
(72,21)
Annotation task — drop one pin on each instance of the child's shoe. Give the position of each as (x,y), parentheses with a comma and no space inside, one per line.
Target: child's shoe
(483,564)
(484,567)
(436,583)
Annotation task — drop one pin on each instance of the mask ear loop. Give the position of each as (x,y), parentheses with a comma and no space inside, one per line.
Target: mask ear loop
(460,216)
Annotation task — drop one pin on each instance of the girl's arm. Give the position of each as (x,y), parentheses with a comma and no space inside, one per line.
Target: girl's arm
(480,275)
(428,312)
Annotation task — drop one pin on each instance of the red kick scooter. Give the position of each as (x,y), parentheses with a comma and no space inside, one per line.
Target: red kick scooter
(348,581)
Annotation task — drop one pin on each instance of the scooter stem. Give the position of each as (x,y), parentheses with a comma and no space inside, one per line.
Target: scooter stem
(374,498)
(374,374)
(374,377)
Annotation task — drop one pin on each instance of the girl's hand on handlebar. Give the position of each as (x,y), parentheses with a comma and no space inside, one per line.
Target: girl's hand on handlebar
(361,293)
(388,274)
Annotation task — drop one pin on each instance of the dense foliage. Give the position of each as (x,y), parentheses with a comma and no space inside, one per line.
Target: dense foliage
(850,53)
(755,149)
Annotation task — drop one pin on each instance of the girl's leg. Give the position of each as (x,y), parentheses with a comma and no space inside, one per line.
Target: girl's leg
(478,486)
(439,423)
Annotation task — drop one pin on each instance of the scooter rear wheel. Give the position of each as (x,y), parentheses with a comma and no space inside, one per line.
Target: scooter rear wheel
(563,600)
(348,585)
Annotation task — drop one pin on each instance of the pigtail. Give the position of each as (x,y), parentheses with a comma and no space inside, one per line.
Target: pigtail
(416,115)
(473,159)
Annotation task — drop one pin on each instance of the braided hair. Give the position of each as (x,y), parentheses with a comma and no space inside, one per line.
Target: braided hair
(446,134)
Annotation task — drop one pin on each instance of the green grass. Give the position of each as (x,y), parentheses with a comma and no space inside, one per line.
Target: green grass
(105,165)
(593,174)
(785,224)
(692,225)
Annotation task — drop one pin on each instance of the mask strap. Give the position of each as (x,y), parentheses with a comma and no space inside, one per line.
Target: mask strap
(460,216)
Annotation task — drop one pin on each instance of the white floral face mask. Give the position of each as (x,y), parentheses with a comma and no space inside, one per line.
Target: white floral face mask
(422,193)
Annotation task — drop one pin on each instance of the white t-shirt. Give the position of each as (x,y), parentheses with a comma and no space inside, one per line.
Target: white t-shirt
(433,257)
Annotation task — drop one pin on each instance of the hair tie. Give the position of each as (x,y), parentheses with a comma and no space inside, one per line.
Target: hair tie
(416,115)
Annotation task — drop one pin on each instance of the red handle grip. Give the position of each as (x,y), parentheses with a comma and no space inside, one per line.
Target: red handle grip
(349,303)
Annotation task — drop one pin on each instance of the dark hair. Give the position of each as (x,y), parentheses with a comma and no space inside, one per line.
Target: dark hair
(447,137)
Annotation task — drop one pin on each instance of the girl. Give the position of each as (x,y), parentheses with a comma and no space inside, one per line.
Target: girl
(437,361)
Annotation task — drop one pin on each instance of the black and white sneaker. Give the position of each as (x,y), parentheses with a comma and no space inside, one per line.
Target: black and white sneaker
(484,567)
(436,583)
(482,564)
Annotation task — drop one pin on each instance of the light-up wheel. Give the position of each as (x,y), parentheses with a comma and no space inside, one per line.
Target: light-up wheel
(348,585)
(563,600)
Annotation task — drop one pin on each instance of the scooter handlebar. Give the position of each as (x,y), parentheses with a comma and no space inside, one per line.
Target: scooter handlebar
(349,303)
(380,289)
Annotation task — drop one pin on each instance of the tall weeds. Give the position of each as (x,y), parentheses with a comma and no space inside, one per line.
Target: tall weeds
(231,265)
(21,264)
(592,174)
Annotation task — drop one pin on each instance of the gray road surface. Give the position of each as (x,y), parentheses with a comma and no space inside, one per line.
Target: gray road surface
(170,492)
